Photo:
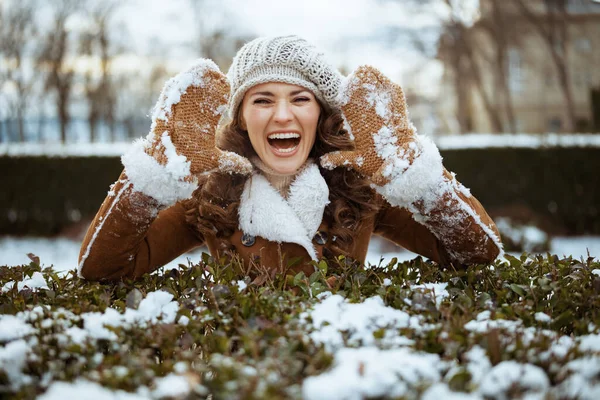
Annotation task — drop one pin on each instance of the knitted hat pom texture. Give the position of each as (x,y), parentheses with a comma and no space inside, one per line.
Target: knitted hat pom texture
(287,59)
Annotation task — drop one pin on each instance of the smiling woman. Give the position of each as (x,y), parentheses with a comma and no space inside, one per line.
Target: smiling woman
(305,164)
(281,120)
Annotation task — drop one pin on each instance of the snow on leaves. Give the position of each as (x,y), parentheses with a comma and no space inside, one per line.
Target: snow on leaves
(409,330)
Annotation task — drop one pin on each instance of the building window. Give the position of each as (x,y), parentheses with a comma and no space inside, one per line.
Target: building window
(515,71)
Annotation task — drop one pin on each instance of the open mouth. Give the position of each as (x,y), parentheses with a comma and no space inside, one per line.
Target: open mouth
(284,142)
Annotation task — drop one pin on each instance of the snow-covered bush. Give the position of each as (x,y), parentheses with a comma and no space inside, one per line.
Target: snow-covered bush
(523,328)
(521,237)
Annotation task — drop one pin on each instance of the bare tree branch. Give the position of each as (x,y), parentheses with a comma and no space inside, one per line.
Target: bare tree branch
(97,43)
(17,31)
(53,58)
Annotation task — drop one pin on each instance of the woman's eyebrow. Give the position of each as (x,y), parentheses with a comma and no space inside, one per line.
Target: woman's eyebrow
(262,94)
(267,93)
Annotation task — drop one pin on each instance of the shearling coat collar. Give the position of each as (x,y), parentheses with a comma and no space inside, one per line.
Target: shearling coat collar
(264,212)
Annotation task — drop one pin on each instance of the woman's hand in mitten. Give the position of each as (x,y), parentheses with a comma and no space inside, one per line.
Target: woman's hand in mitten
(185,121)
(375,110)
(406,169)
(181,143)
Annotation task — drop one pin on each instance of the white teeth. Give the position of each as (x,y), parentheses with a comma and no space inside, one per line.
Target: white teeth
(287,150)
(287,135)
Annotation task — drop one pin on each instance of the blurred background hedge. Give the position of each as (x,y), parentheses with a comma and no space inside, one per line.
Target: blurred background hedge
(557,189)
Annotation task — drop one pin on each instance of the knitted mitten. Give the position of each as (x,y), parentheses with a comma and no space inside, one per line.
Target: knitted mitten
(375,110)
(406,168)
(181,143)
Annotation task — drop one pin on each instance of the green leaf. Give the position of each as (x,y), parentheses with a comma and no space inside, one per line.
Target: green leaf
(518,290)
(323,267)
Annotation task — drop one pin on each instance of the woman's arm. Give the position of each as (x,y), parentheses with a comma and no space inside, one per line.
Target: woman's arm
(457,229)
(132,234)
(406,170)
(141,224)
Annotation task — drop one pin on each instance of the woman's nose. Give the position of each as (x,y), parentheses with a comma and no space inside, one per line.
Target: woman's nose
(283,113)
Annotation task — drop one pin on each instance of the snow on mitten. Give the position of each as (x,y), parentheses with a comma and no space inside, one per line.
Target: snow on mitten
(374,109)
(406,168)
(181,142)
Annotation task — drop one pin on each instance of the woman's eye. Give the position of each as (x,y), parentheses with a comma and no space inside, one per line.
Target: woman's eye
(261,101)
(301,99)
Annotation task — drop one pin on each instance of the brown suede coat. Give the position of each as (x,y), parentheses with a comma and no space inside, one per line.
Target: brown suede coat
(129,237)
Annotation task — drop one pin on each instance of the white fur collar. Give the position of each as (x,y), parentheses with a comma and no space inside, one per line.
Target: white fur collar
(264,212)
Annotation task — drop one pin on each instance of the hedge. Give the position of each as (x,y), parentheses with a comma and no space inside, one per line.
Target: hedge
(559,187)
(525,328)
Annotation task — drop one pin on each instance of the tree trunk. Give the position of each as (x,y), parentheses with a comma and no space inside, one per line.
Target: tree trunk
(491,110)
(3,131)
(502,74)
(63,115)
(20,125)
(461,88)
(92,121)
(563,79)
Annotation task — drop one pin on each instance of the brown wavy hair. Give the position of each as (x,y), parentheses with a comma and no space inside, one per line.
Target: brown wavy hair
(214,207)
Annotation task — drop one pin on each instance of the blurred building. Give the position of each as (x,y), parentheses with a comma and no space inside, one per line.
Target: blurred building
(523,66)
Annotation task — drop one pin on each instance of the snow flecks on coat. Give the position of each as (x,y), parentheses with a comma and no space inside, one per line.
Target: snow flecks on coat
(264,212)
(164,183)
(99,227)
(459,187)
(175,87)
(434,200)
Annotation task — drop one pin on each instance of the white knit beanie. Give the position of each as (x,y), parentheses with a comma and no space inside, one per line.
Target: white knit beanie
(287,59)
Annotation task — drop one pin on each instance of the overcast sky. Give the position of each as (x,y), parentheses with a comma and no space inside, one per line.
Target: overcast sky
(343,29)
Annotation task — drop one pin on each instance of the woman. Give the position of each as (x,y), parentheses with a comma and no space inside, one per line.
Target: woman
(307,165)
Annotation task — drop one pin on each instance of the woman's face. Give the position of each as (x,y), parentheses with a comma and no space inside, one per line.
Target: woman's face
(281,120)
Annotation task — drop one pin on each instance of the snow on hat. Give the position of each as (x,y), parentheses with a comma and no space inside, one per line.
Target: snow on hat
(287,59)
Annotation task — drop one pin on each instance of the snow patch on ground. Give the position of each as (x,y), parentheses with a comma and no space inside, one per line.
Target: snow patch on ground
(61,253)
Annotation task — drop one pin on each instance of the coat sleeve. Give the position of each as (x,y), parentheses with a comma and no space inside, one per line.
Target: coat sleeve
(397,225)
(132,234)
(427,211)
